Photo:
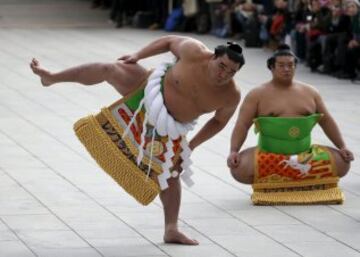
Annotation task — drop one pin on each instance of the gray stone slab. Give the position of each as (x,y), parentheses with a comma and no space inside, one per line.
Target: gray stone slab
(15,249)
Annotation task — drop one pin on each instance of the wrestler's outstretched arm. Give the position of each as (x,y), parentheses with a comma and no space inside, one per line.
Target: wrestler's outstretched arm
(178,45)
(247,113)
(331,129)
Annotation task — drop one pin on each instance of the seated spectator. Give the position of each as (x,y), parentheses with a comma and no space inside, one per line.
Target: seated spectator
(213,6)
(246,24)
(222,20)
(320,21)
(349,53)
(302,17)
(245,10)
(275,26)
(338,33)
(279,23)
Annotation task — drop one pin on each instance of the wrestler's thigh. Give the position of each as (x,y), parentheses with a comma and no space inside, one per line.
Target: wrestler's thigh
(244,173)
(342,166)
(125,78)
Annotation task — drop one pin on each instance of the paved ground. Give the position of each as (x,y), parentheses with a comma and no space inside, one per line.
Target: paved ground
(55,201)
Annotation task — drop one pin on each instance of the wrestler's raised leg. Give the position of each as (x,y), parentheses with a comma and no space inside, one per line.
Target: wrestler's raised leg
(171,198)
(244,173)
(123,77)
(342,166)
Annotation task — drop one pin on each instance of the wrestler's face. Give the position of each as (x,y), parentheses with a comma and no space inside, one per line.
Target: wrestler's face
(222,69)
(315,5)
(351,8)
(284,68)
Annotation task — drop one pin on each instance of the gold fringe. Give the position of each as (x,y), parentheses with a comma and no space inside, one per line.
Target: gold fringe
(113,162)
(329,196)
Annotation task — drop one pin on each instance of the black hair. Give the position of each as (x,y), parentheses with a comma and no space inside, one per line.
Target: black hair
(233,51)
(282,50)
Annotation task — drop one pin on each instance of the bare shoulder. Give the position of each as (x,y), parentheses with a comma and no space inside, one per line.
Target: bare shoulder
(257,92)
(233,95)
(194,44)
(307,88)
(193,48)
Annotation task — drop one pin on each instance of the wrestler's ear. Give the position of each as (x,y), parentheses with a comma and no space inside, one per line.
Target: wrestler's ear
(296,60)
(270,63)
(217,50)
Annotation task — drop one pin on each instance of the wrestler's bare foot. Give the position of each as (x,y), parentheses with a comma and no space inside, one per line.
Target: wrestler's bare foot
(44,75)
(174,236)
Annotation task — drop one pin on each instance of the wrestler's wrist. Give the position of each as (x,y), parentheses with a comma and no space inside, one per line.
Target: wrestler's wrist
(342,147)
(191,146)
(136,56)
(234,151)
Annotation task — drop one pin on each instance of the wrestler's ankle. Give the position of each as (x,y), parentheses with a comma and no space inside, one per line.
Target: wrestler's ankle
(171,227)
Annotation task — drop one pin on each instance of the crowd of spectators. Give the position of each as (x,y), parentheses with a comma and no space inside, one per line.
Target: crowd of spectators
(324,34)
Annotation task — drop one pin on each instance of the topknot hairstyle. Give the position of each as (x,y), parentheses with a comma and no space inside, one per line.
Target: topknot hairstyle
(282,50)
(233,51)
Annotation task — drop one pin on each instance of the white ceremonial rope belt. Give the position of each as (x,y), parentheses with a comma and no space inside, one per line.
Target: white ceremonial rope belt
(157,115)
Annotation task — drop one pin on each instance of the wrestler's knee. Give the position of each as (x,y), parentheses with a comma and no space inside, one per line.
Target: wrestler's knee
(342,167)
(106,69)
(133,69)
(127,77)
(242,176)
(244,173)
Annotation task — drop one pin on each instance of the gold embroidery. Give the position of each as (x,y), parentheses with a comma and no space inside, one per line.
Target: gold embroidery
(294,132)
(157,148)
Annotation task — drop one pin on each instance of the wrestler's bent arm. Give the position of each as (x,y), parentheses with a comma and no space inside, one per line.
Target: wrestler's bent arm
(328,124)
(174,44)
(247,113)
(213,126)
(332,130)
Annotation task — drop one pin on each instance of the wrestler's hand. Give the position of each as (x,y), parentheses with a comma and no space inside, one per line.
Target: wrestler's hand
(129,58)
(233,160)
(177,167)
(346,154)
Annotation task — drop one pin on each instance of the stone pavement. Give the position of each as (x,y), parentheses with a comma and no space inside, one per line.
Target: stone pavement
(55,201)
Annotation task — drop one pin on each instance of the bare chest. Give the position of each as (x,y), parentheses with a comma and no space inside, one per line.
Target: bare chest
(204,98)
(187,95)
(295,104)
(193,87)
